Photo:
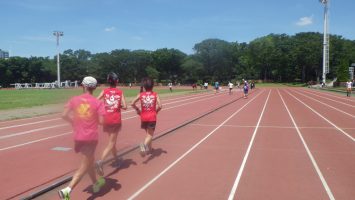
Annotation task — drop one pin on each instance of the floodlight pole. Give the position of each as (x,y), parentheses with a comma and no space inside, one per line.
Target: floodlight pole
(325,41)
(58,34)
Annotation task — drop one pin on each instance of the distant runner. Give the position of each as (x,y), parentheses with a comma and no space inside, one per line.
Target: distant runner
(150,106)
(348,88)
(245,89)
(230,85)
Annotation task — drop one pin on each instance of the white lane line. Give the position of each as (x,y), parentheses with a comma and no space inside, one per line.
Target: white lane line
(31,131)
(37,122)
(324,182)
(327,105)
(332,95)
(187,152)
(339,129)
(242,166)
(337,101)
(34,141)
(276,127)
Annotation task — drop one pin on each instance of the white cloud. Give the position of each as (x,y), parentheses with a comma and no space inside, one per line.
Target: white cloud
(110,29)
(305,21)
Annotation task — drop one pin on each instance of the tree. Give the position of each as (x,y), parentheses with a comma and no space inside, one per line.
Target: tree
(192,70)
(152,72)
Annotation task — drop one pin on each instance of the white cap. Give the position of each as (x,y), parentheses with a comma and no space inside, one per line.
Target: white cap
(89,82)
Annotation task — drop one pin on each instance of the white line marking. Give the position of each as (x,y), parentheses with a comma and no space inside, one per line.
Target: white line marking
(349,136)
(324,182)
(242,166)
(277,127)
(337,101)
(37,122)
(186,153)
(34,141)
(31,131)
(327,105)
(333,95)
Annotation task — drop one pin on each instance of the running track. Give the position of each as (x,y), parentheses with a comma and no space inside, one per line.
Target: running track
(281,143)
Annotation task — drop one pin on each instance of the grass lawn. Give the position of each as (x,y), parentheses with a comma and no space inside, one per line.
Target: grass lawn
(10,99)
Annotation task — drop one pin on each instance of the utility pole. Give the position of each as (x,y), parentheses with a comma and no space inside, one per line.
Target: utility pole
(325,41)
(58,34)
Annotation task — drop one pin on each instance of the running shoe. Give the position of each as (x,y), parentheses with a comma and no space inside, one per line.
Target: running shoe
(99,168)
(98,185)
(148,150)
(63,194)
(142,150)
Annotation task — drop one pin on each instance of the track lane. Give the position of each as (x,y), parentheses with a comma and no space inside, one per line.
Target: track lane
(279,167)
(131,135)
(170,148)
(334,95)
(208,165)
(341,104)
(333,152)
(337,119)
(319,135)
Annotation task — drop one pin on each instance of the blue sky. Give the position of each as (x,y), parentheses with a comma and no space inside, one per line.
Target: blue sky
(104,25)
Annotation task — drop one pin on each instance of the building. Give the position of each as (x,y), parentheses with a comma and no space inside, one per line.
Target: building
(4,54)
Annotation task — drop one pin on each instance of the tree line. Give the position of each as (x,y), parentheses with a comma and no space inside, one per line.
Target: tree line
(275,57)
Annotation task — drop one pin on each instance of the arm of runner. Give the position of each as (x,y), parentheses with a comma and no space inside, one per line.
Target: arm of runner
(101,95)
(66,115)
(123,103)
(101,112)
(159,105)
(133,104)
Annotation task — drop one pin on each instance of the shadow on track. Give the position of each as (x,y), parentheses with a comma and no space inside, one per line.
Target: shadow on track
(111,184)
(155,153)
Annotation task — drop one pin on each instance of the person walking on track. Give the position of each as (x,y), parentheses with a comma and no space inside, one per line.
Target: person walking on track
(246,89)
(230,85)
(114,101)
(348,88)
(170,84)
(216,86)
(85,113)
(150,106)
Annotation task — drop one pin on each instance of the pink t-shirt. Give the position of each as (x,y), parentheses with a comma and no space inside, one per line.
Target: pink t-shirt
(86,110)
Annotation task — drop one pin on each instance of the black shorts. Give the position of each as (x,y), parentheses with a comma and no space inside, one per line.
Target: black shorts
(85,147)
(150,125)
(112,128)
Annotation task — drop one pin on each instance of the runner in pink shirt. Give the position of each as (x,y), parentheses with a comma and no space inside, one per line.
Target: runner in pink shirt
(150,106)
(114,101)
(85,113)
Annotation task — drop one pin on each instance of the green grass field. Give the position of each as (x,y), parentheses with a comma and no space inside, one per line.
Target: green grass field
(10,99)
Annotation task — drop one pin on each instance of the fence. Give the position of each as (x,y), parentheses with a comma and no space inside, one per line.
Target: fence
(65,84)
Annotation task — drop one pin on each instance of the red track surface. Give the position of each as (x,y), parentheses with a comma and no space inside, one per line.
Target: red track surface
(278,144)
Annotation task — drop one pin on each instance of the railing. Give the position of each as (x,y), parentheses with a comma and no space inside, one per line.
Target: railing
(65,84)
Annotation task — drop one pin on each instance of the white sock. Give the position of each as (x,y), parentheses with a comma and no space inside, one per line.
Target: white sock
(67,189)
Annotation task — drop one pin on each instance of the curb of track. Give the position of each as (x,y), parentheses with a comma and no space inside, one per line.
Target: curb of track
(68,179)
